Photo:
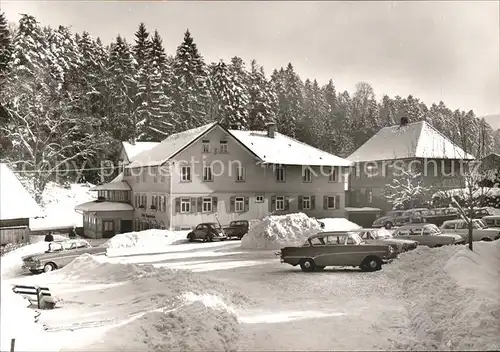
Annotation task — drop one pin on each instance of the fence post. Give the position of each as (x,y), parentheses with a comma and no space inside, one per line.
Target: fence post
(39,297)
(12,344)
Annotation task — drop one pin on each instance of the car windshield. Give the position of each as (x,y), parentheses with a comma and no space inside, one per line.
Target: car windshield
(381,234)
(478,224)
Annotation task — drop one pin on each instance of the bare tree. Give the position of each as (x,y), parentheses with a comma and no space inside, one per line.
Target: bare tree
(405,190)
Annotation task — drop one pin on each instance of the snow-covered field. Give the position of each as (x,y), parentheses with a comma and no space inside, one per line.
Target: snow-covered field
(228,297)
(59,206)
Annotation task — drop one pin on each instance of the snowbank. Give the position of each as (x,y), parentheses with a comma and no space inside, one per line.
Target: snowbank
(143,242)
(59,205)
(338,224)
(158,309)
(451,295)
(277,231)
(18,322)
(11,262)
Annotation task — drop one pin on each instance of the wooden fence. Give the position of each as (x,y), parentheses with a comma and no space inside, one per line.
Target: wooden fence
(14,235)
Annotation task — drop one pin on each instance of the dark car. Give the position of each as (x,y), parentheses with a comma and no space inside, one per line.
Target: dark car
(411,216)
(438,216)
(388,220)
(208,232)
(237,228)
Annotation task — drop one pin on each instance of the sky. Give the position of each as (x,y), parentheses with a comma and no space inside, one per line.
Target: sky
(447,51)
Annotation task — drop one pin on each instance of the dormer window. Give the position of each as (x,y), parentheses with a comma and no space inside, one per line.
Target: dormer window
(223,146)
(206,146)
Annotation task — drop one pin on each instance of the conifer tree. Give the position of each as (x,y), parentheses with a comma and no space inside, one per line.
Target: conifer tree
(6,47)
(262,99)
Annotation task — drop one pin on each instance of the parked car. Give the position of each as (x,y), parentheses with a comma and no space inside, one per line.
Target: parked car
(438,216)
(427,235)
(411,216)
(388,220)
(208,232)
(337,249)
(237,228)
(481,212)
(480,231)
(492,220)
(58,255)
(383,236)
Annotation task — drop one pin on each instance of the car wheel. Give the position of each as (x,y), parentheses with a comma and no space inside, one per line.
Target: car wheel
(487,239)
(307,265)
(388,225)
(191,237)
(371,264)
(49,267)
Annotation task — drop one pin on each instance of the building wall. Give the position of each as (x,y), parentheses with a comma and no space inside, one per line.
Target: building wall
(94,229)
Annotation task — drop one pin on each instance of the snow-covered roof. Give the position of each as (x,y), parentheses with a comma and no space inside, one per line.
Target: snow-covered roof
(113,186)
(104,206)
(15,200)
(278,150)
(415,140)
(285,150)
(132,150)
(118,178)
(169,147)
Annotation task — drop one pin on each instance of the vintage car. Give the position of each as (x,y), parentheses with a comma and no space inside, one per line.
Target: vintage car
(481,212)
(411,216)
(207,231)
(388,220)
(438,216)
(427,235)
(337,249)
(492,220)
(480,231)
(59,254)
(236,228)
(383,236)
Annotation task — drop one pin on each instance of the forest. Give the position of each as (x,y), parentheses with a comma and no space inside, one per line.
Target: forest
(69,98)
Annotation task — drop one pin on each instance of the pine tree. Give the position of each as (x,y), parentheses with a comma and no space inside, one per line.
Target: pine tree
(294,101)
(262,99)
(191,95)
(6,47)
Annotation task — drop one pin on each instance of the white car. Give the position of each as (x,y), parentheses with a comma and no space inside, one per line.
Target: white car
(480,231)
(427,235)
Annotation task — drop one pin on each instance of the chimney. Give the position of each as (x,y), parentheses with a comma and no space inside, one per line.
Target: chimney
(271,129)
(404,121)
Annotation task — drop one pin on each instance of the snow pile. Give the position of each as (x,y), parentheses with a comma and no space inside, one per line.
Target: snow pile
(451,295)
(18,322)
(11,262)
(277,231)
(148,241)
(159,309)
(59,205)
(338,224)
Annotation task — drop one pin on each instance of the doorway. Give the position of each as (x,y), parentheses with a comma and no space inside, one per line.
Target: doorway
(108,228)
(126,226)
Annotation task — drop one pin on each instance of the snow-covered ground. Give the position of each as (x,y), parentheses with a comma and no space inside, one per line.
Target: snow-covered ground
(59,206)
(232,298)
(143,242)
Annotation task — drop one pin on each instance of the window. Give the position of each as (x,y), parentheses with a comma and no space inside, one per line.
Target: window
(462,225)
(185,205)
(317,242)
(186,173)
(206,146)
(126,172)
(162,203)
(154,202)
(332,177)
(240,174)
(239,204)
(280,203)
(330,204)
(259,199)
(223,146)
(154,170)
(280,173)
(371,171)
(306,175)
(144,201)
(163,175)
(207,173)
(449,226)
(306,203)
(369,196)
(108,226)
(207,205)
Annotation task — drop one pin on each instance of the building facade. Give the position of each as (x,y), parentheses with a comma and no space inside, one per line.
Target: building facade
(212,174)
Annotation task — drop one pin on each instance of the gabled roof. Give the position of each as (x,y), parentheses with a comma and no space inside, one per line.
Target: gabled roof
(132,150)
(169,147)
(104,206)
(285,150)
(113,186)
(415,140)
(278,150)
(15,200)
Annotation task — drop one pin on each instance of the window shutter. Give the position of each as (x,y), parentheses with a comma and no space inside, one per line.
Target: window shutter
(337,202)
(200,204)
(247,204)
(272,204)
(325,202)
(231,204)
(214,204)
(193,205)
(287,203)
(177,205)
(300,203)
(313,202)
